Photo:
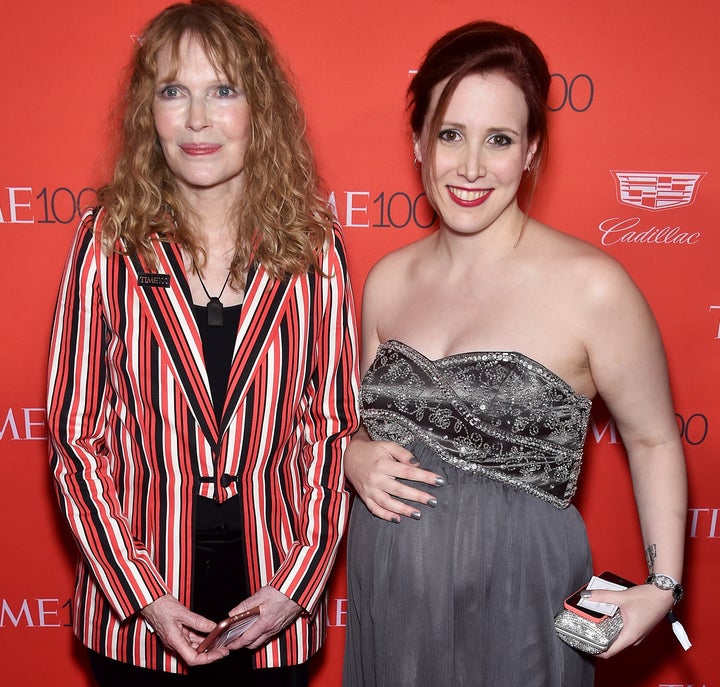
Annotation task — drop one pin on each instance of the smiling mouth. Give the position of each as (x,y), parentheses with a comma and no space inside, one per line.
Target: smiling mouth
(467,197)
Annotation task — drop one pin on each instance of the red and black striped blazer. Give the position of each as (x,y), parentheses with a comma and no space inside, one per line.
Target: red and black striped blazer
(133,437)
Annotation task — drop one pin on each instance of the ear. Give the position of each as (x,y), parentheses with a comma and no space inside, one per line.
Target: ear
(417,149)
(532,149)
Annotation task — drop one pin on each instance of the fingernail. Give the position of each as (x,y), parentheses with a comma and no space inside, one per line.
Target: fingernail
(395,519)
(414,461)
(585,594)
(432,502)
(439,481)
(415,515)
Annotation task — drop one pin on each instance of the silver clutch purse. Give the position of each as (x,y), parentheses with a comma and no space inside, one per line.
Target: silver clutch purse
(585,635)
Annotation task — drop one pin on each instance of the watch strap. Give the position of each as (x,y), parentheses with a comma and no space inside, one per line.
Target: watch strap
(668,584)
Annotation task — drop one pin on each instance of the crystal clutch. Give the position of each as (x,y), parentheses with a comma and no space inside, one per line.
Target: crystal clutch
(586,635)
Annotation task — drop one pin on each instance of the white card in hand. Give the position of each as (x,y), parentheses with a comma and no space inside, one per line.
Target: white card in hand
(599,583)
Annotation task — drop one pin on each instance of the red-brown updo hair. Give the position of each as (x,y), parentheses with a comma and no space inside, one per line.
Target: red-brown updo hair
(482,47)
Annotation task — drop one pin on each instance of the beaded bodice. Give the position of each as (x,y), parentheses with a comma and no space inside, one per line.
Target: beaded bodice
(502,415)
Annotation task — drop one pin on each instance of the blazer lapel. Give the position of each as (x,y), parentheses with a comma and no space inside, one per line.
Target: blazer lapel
(266,301)
(167,298)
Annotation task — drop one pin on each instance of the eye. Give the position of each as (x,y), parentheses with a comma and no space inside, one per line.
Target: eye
(499,140)
(226,91)
(171,91)
(449,135)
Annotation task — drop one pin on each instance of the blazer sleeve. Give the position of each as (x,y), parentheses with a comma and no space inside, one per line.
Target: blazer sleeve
(330,419)
(78,397)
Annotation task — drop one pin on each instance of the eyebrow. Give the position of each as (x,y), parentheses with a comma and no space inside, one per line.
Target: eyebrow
(494,129)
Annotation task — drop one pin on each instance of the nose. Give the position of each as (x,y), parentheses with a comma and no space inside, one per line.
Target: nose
(472,164)
(197,114)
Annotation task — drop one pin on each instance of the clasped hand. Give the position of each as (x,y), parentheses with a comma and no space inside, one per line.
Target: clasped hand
(183,631)
(277,611)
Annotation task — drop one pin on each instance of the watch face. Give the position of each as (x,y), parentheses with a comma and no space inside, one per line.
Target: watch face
(667,583)
(664,582)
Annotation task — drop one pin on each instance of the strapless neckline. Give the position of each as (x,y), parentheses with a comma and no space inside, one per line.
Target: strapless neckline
(500,414)
(475,355)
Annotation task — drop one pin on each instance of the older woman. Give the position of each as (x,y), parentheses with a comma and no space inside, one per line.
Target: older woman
(202,372)
(483,345)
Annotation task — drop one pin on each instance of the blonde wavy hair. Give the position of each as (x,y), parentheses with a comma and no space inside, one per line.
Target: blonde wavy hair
(282,218)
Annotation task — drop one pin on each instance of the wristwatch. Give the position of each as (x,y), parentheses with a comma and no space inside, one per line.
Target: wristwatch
(668,584)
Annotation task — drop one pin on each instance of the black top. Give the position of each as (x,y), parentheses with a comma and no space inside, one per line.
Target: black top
(218,343)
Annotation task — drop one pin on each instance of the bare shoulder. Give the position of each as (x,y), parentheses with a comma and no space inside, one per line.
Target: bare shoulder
(583,270)
(392,270)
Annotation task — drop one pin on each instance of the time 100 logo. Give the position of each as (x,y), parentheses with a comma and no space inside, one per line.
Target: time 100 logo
(61,205)
(575,93)
(394,210)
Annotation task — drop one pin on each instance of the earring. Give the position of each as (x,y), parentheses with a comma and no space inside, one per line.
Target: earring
(416,163)
(528,165)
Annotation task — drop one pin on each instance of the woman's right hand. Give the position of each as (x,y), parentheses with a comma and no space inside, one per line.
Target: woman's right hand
(374,468)
(181,630)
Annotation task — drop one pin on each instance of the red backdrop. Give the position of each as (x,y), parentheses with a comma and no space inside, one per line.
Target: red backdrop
(633,151)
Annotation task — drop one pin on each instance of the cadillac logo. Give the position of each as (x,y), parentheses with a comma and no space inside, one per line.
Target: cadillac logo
(656,190)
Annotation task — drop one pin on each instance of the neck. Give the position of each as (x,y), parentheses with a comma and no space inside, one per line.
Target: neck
(216,233)
(492,243)
(212,209)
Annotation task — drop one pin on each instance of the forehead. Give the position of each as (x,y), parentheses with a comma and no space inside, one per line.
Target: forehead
(489,99)
(187,55)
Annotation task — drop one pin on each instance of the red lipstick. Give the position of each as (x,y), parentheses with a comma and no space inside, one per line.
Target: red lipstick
(468,198)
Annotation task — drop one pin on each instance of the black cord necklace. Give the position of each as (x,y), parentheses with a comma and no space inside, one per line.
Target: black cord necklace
(214,306)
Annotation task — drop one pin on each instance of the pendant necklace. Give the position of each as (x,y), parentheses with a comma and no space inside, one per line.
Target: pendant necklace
(214,306)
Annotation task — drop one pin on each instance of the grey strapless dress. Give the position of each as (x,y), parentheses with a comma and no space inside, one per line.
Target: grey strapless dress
(467,595)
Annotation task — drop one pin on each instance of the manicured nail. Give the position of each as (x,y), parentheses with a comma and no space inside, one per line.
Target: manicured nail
(432,502)
(585,594)
(395,519)
(439,481)
(415,515)
(414,461)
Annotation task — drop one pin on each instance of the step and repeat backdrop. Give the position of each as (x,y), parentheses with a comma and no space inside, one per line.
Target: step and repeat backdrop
(634,168)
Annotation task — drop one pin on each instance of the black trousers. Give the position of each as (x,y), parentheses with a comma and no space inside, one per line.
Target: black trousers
(219,584)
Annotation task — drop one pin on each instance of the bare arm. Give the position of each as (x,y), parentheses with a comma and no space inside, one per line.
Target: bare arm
(628,367)
(374,467)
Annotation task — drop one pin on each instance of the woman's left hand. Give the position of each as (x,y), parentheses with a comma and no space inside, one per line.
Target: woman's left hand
(642,607)
(277,611)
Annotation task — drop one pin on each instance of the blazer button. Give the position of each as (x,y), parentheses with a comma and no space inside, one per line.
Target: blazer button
(226,480)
